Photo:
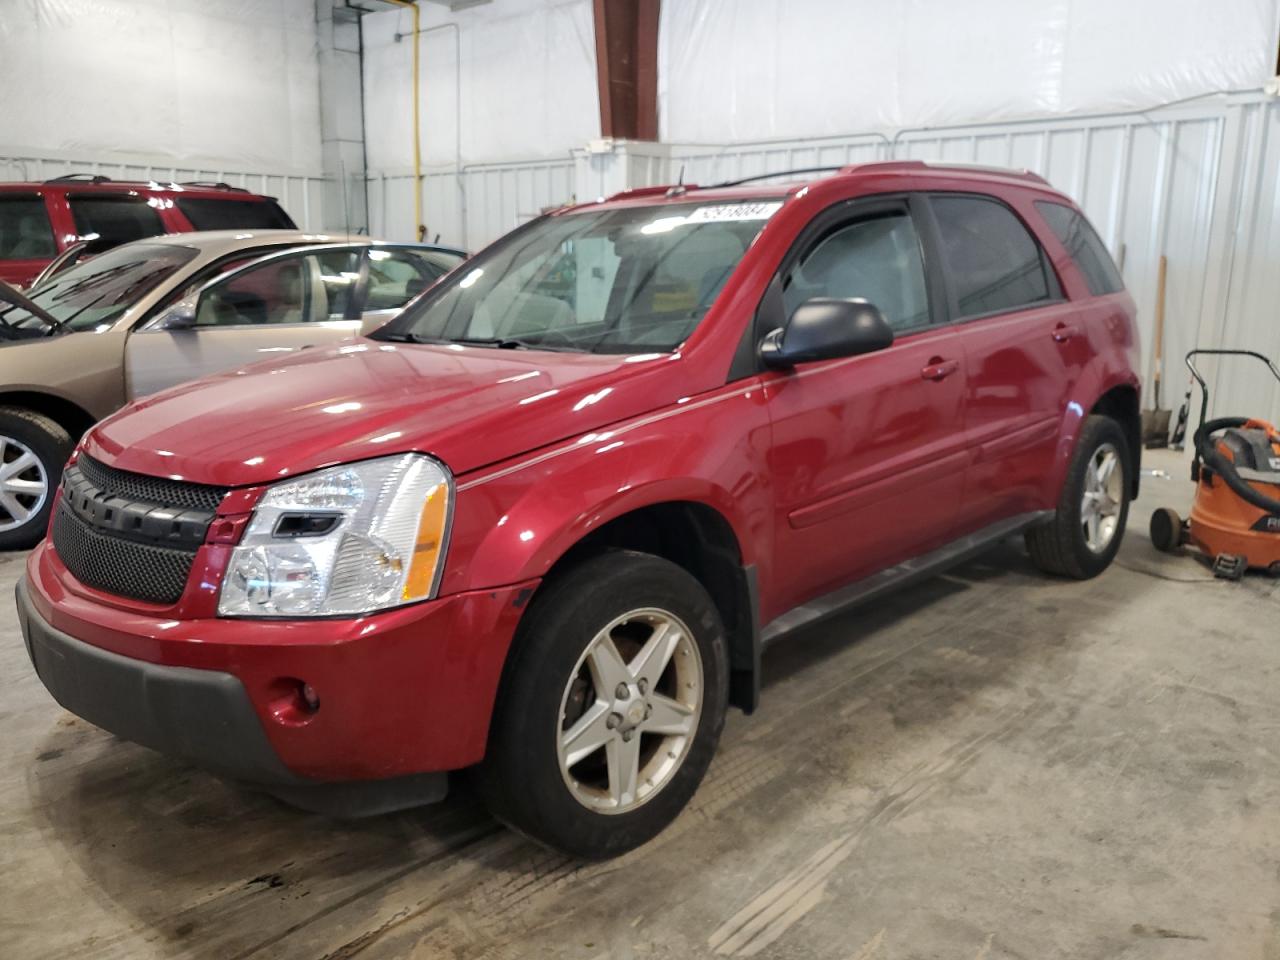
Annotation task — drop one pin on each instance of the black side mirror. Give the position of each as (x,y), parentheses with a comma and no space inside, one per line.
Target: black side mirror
(824,328)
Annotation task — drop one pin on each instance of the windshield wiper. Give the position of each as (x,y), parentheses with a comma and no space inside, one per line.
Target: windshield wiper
(499,343)
(10,295)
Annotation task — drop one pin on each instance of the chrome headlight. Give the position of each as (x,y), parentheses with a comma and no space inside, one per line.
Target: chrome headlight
(347,540)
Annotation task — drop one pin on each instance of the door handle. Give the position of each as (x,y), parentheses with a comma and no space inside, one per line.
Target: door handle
(1064,332)
(939,369)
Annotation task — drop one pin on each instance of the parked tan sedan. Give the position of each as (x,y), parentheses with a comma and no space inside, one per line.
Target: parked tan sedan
(157,312)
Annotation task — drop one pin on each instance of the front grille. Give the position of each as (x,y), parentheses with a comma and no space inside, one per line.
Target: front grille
(124,567)
(157,491)
(130,534)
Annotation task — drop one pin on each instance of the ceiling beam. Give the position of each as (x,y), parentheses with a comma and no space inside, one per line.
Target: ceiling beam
(627,67)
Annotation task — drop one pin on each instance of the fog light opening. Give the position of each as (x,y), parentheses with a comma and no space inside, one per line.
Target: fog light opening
(293,702)
(310,699)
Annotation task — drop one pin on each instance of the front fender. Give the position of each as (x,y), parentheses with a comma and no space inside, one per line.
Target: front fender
(513,522)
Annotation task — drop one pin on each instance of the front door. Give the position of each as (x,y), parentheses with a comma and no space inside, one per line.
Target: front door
(868,455)
(275,306)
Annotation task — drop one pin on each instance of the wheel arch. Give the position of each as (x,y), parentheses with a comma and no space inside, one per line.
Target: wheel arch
(66,413)
(1121,404)
(699,537)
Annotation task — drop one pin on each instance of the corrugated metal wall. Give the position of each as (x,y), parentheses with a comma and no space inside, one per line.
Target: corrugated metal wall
(1198,183)
(469,210)
(301,195)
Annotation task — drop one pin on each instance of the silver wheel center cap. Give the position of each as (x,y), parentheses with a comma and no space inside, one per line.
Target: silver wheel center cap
(635,712)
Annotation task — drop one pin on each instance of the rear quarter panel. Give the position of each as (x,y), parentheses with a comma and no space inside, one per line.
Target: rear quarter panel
(1110,348)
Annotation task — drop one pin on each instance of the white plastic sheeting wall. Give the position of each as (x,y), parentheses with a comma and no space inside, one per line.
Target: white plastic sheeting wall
(753,69)
(231,83)
(524,85)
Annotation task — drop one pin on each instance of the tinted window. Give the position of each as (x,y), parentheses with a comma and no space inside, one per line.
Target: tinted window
(876,260)
(298,289)
(114,220)
(1084,245)
(97,291)
(993,260)
(622,280)
(208,214)
(24,229)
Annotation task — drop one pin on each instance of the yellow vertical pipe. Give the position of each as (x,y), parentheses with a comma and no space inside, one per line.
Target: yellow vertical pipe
(417,135)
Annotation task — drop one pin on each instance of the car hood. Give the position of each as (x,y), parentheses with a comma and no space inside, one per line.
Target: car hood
(468,406)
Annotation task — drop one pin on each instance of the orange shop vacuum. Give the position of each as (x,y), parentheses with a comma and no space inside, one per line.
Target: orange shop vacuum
(1235,519)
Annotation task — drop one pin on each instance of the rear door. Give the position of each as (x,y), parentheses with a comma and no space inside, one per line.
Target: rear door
(27,242)
(276,305)
(1022,349)
(868,455)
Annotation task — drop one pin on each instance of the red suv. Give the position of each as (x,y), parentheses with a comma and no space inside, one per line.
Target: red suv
(544,522)
(38,221)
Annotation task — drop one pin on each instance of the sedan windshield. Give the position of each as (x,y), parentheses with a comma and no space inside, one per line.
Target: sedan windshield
(96,292)
(609,281)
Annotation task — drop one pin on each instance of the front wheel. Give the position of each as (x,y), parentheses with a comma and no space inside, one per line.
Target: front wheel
(1085,533)
(33,451)
(611,706)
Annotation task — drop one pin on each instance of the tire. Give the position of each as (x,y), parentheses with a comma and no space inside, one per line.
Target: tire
(1063,545)
(1166,530)
(26,494)
(549,690)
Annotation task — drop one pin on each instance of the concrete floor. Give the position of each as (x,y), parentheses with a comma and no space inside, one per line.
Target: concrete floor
(990,765)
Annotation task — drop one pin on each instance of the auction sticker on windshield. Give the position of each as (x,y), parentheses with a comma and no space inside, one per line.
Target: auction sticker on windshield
(734,211)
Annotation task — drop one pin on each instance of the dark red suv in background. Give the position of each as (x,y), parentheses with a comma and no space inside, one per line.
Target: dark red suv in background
(38,221)
(545,521)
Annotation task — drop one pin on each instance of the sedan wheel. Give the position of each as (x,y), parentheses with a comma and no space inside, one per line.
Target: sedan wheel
(24,484)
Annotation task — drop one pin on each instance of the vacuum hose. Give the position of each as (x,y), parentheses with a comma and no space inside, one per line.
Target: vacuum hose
(1210,456)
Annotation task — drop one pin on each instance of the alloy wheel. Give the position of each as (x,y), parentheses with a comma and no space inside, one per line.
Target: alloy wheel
(24,485)
(630,711)
(1103,497)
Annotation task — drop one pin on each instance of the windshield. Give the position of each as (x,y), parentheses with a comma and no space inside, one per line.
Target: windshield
(96,292)
(610,281)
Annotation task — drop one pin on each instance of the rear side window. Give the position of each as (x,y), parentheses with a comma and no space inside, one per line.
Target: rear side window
(208,214)
(25,233)
(1084,245)
(114,220)
(994,262)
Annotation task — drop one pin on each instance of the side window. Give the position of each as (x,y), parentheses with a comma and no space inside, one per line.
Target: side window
(1084,245)
(396,277)
(25,233)
(114,220)
(300,289)
(877,260)
(994,262)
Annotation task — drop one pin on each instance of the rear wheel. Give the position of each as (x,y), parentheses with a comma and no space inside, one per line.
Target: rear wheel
(611,706)
(33,451)
(1085,533)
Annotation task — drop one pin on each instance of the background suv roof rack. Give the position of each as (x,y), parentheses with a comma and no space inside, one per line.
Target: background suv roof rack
(80,178)
(212,185)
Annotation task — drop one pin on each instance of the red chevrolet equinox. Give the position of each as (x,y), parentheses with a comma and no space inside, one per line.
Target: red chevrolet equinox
(544,522)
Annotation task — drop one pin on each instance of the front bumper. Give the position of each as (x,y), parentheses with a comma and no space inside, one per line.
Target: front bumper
(402,693)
